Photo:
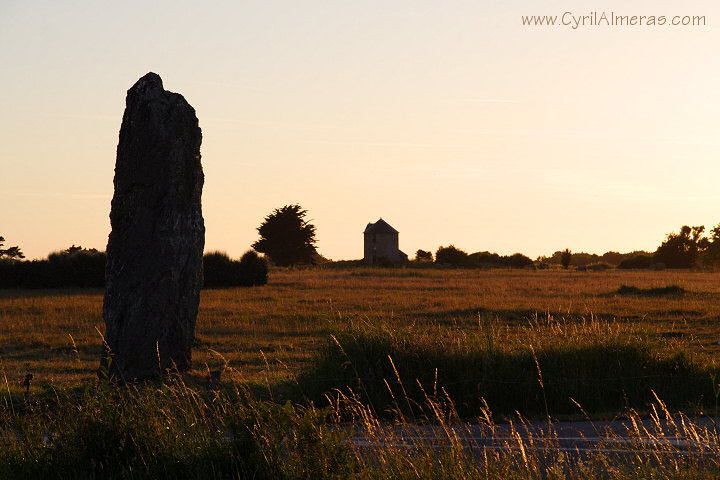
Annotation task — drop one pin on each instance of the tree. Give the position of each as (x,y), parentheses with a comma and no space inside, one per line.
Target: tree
(680,250)
(565,258)
(517,260)
(451,255)
(712,252)
(423,256)
(286,237)
(484,259)
(11,252)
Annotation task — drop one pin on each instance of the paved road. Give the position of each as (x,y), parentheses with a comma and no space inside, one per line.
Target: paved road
(619,436)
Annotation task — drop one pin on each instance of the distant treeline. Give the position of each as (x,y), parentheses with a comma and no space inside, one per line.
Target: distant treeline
(452,255)
(611,258)
(81,267)
(687,248)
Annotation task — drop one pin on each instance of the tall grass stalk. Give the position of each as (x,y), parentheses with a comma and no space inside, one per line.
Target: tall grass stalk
(604,366)
(177,431)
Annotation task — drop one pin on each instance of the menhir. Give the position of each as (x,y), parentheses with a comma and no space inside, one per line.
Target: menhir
(154,254)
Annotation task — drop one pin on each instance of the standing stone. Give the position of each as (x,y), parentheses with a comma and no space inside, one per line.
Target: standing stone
(154,253)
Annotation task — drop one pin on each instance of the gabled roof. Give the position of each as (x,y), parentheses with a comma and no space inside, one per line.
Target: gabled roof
(381,226)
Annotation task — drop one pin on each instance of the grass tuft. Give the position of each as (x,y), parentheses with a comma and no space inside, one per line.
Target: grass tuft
(670,290)
(543,369)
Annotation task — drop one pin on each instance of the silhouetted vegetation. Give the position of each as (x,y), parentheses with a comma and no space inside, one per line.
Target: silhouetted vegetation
(286,237)
(687,248)
(220,270)
(81,267)
(74,267)
(254,269)
(10,252)
(638,261)
(493,260)
(517,260)
(711,255)
(451,255)
(423,256)
(680,250)
(565,258)
(483,259)
(586,259)
(342,264)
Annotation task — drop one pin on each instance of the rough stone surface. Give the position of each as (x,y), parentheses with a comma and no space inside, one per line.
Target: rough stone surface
(154,253)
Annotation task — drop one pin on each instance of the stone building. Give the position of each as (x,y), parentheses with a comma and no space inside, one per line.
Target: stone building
(381,244)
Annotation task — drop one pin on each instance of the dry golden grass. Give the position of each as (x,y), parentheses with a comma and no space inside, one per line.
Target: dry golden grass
(272,331)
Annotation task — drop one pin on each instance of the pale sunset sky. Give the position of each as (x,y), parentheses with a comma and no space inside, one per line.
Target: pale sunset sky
(451,120)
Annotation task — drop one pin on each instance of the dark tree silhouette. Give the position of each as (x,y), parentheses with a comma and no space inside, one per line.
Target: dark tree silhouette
(221,271)
(712,252)
(517,260)
(11,252)
(565,258)
(451,255)
(680,250)
(286,237)
(423,256)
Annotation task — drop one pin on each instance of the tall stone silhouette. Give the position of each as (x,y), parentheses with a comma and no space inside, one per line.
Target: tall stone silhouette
(154,254)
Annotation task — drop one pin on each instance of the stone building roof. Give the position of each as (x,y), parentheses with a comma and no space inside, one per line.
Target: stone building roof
(381,226)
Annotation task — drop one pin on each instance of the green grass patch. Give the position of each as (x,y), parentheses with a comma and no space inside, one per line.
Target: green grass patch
(669,290)
(602,369)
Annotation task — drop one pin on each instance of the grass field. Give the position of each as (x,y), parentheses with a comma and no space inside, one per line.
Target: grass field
(399,345)
(272,332)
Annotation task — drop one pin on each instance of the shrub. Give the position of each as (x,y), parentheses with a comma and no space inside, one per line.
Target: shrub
(638,261)
(74,267)
(517,260)
(565,258)
(221,271)
(493,260)
(423,256)
(484,259)
(81,267)
(451,255)
(253,269)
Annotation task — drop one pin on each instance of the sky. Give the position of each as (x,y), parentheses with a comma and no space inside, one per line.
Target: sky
(451,120)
